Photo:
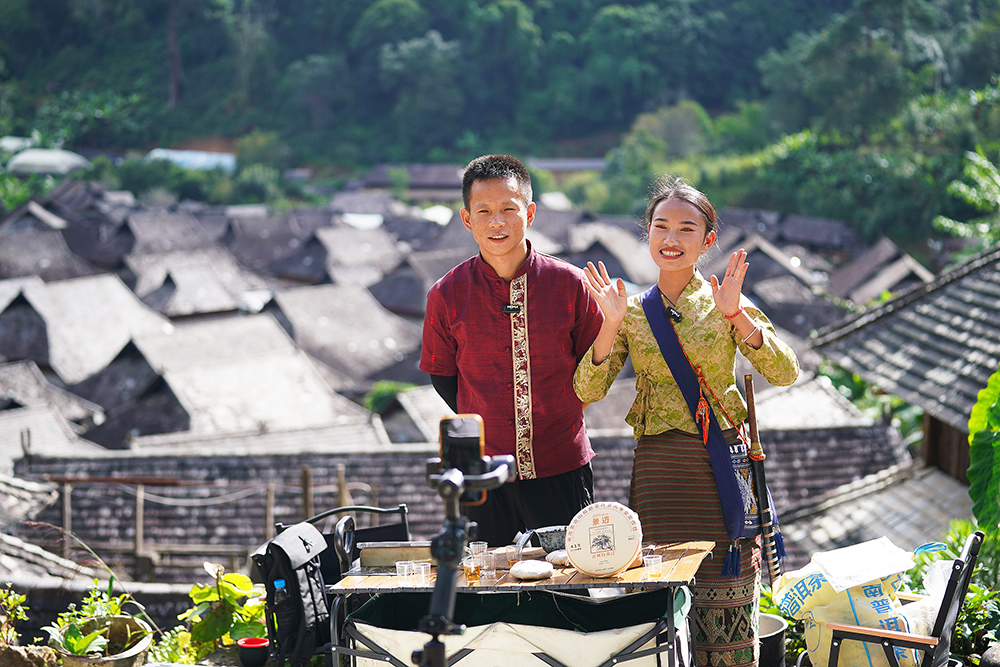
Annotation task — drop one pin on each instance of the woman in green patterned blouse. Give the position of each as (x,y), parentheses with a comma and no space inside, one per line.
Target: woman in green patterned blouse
(673,487)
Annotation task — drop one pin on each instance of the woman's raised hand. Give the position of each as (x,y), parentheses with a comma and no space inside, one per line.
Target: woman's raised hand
(610,295)
(727,293)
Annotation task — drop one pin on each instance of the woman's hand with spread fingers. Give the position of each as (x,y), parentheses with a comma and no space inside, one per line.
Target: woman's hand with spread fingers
(727,293)
(610,294)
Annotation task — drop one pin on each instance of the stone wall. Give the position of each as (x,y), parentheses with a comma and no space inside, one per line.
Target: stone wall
(220,501)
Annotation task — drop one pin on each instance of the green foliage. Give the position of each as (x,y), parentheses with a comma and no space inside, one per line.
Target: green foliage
(874,403)
(983,194)
(382,394)
(141,177)
(256,184)
(388,21)
(12,610)
(176,646)
(895,192)
(262,148)
(795,638)
(399,182)
(99,603)
(422,77)
(321,84)
(984,457)
(227,609)
(13,192)
(542,181)
(92,118)
(246,26)
(747,130)
(72,641)
(979,621)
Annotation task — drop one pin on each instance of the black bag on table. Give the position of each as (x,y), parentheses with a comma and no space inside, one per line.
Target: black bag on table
(294,556)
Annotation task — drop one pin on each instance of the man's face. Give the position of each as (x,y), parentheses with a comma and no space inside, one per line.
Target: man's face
(499,219)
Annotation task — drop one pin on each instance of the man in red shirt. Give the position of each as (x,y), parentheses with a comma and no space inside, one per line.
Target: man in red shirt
(503,333)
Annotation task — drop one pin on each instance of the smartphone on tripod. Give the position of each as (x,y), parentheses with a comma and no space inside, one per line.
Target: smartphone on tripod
(463,446)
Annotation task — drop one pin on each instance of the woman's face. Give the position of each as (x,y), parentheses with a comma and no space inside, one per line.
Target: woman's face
(678,234)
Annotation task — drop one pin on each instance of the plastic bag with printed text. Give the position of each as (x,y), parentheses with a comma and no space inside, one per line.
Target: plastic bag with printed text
(856,585)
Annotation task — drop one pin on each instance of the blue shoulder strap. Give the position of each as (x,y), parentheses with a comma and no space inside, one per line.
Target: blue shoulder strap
(670,347)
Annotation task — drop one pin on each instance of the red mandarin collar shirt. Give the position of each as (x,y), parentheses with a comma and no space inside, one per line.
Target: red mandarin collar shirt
(516,369)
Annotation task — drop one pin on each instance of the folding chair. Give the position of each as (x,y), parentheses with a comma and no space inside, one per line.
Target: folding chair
(342,551)
(937,646)
(332,563)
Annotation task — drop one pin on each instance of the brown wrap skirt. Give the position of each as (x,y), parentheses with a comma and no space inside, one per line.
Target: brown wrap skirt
(674,493)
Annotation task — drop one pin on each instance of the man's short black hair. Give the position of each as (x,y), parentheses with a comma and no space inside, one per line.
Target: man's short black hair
(496,166)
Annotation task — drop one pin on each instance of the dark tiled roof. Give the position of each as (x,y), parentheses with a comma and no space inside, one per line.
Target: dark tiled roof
(162,230)
(403,290)
(902,274)
(30,247)
(207,280)
(907,503)
(452,236)
(127,377)
(352,436)
(156,410)
(799,461)
(94,216)
(373,339)
(44,431)
(85,322)
(622,252)
(22,499)
(792,306)
(359,256)
(23,334)
(418,232)
(422,176)
(849,276)
(257,242)
(934,346)
(306,264)
(766,261)
(240,373)
(557,225)
(28,566)
(23,382)
(821,235)
(750,221)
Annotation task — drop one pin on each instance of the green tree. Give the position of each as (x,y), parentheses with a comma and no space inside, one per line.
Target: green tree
(623,52)
(685,128)
(848,79)
(984,461)
(981,62)
(92,118)
(246,26)
(322,85)
(502,45)
(264,148)
(422,75)
(382,394)
(387,22)
(983,194)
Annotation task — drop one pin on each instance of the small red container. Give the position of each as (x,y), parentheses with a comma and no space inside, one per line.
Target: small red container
(254,651)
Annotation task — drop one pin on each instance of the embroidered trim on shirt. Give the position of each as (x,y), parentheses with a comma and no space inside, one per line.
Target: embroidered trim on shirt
(523,451)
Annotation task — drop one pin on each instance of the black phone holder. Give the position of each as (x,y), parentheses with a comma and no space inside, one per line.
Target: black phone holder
(449,547)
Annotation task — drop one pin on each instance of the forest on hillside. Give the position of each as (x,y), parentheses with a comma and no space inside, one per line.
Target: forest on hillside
(862,110)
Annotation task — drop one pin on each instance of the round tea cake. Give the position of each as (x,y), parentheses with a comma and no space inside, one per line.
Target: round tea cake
(603,539)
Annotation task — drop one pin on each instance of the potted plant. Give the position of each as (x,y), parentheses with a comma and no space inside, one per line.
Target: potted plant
(223,612)
(100,633)
(12,610)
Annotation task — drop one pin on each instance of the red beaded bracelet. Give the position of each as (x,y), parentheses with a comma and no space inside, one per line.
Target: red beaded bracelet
(736,314)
